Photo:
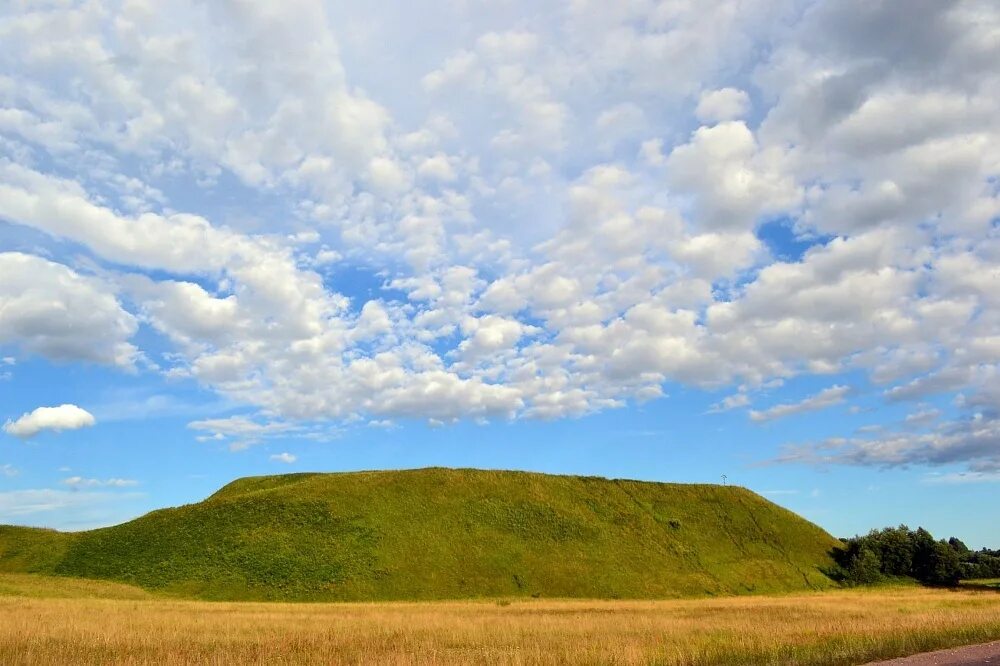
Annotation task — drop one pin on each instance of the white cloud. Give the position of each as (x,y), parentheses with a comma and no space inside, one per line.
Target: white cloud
(241,431)
(732,178)
(557,230)
(82,482)
(437,167)
(58,419)
(284,457)
(723,104)
(973,441)
(491,333)
(327,256)
(179,242)
(733,401)
(828,397)
(715,255)
(69,509)
(48,309)
(963,477)
(922,417)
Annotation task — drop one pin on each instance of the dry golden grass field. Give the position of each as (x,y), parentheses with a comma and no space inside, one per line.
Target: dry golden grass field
(65,621)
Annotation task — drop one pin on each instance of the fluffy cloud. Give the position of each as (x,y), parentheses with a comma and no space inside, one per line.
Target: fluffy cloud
(63,417)
(285,457)
(723,104)
(48,309)
(564,213)
(732,178)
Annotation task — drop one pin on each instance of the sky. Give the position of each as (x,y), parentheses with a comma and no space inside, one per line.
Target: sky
(676,240)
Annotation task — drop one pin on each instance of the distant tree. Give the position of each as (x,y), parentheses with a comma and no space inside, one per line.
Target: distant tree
(902,552)
(959,547)
(980,564)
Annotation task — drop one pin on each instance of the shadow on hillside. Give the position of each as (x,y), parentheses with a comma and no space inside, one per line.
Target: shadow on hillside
(836,573)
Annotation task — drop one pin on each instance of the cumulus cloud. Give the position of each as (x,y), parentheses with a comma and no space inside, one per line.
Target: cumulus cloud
(722,104)
(284,457)
(49,309)
(559,218)
(732,178)
(57,419)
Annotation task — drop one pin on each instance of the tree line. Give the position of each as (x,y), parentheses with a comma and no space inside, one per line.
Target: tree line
(899,552)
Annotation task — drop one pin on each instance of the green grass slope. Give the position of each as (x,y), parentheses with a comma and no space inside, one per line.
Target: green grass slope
(444,533)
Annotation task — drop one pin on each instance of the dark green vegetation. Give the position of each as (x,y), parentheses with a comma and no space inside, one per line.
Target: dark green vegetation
(899,552)
(443,533)
(983,563)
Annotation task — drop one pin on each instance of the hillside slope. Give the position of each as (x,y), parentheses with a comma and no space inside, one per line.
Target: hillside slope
(444,533)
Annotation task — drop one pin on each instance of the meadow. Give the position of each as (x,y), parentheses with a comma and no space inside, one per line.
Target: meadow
(53,620)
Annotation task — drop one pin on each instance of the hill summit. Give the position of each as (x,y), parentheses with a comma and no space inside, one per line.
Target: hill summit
(444,533)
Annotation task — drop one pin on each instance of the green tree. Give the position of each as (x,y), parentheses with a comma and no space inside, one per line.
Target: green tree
(945,566)
(895,546)
(863,566)
(959,547)
(924,549)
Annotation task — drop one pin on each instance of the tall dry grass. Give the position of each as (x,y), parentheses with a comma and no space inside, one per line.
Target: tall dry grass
(846,627)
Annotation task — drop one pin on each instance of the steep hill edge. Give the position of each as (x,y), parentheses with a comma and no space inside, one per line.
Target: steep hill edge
(440,533)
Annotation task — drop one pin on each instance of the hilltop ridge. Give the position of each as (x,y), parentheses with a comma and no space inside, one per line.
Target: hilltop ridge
(439,533)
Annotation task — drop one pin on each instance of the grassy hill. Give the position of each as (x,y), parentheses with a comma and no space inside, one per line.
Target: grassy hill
(444,533)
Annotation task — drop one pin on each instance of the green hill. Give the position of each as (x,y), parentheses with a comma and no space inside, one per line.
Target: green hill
(444,533)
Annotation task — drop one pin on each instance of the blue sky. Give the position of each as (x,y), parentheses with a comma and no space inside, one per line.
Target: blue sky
(659,240)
